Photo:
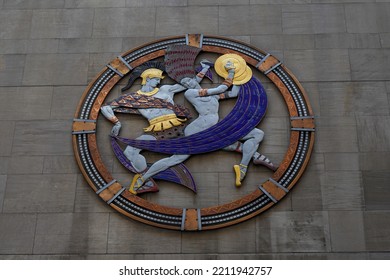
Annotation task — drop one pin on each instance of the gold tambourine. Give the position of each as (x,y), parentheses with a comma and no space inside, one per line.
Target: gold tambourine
(242,72)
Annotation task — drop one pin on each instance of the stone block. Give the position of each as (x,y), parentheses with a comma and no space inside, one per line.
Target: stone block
(33,4)
(155,3)
(15,24)
(235,239)
(306,194)
(183,20)
(124,237)
(4,162)
(377,230)
(376,190)
(319,65)
(284,41)
(40,193)
(253,20)
(342,161)
(65,101)
(36,138)
(313,19)
(124,22)
(373,133)
(367,18)
(11,71)
(342,190)
(347,41)
(9,46)
(367,65)
(60,165)
(88,45)
(216,2)
(52,69)
(130,43)
(17,233)
(379,161)
(97,61)
(71,233)
(3,183)
(347,231)
(25,103)
(94,3)
(351,99)
(6,137)
(336,134)
(43,46)
(66,23)
(298,231)
(87,201)
(385,40)
(25,165)
(277,137)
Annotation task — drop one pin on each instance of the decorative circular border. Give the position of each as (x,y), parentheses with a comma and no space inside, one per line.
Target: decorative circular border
(266,195)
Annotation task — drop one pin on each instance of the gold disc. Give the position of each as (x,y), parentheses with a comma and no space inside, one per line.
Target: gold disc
(238,61)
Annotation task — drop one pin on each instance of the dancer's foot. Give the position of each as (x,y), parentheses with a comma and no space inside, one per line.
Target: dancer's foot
(139,185)
(240,171)
(263,160)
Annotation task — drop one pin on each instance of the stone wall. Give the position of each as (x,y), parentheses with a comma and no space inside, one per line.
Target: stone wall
(339,50)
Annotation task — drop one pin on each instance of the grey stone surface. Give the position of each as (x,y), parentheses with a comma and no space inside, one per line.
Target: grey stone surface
(252,21)
(338,50)
(124,22)
(307,195)
(52,69)
(43,46)
(94,3)
(67,23)
(11,71)
(39,193)
(86,200)
(10,46)
(369,65)
(373,133)
(25,103)
(33,4)
(25,165)
(376,190)
(336,134)
(88,45)
(124,237)
(6,137)
(42,138)
(3,181)
(319,65)
(181,20)
(347,41)
(15,24)
(377,230)
(347,231)
(284,41)
(342,190)
(299,231)
(17,233)
(71,233)
(60,165)
(367,18)
(342,161)
(309,19)
(379,161)
(65,100)
(228,240)
(349,99)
